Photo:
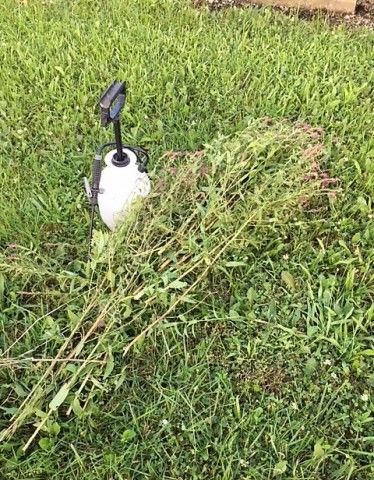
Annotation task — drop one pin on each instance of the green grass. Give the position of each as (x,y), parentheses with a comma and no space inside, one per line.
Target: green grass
(225,331)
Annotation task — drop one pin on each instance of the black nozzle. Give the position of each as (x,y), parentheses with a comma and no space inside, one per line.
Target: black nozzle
(111,103)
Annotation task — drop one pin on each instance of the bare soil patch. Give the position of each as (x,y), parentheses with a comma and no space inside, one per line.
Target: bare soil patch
(364,16)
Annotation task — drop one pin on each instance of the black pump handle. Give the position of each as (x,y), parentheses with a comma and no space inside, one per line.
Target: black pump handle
(112,102)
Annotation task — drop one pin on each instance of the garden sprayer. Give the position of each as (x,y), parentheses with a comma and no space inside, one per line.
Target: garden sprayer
(124,177)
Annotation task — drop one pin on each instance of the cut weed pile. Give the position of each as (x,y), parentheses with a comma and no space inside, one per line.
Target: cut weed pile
(224,331)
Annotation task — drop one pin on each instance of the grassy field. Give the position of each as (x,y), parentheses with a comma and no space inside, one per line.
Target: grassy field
(225,331)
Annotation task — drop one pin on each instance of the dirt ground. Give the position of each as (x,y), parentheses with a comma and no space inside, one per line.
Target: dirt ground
(364,16)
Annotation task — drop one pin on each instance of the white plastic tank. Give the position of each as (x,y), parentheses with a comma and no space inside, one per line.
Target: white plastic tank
(119,186)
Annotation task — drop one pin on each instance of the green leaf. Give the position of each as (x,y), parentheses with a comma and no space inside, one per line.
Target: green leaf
(76,407)
(362,205)
(120,381)
(109,365)
(310,366)
(45,443)
(235,264)
(13,410)
(70,367)
(98,384)
(73,317)
(128,435)
(111,277)
(59,397)
(20,391)
(288,279)
(60,70)
(318,451)
(205,455)
(54,429)
(100,240)
(39,413)
(127,312)
(272,308)
(367,353)
(280,468)
(251,295)
(177,285)
(2,288)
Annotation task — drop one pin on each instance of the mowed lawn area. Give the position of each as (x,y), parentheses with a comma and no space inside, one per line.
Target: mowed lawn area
(225,331)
